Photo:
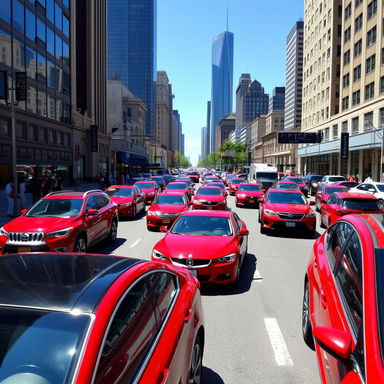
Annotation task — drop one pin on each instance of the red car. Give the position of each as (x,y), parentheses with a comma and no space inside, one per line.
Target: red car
(344,203)
(342,315)
(130,199)
(194,176)
(166,208)
(178,186)
(323,193)
(218,185)
(212,245)
(284,209)
(85,318)
(284,184)
(300,182)
(160,181)
(64,221)
(233,185)
(150,188)
(209,198)
(248,194)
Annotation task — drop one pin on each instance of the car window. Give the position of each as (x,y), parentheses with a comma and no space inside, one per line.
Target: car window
(237,223)
(361,187)
(137,190)
(336,238)
(92,203)
(102,201)
(130,336)
(348,274)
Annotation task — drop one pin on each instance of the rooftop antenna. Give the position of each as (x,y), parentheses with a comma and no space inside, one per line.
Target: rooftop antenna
(227,18)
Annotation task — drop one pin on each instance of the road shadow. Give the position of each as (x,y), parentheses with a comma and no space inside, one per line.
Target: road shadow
(246,277)
(107,248)
(293,234)
(211,377)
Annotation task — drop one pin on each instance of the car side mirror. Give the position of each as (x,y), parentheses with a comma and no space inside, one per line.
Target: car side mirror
(22,211)
(92,212)
(243,232)
(137,194)
(190,203)
(260,200)
(312,202)
(335,342)
(163,228)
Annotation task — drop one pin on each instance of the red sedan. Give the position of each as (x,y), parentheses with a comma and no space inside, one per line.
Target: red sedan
(166,208)
(70,318)
(209,198)
(130,200)
(212,245)
(181,187)
(150,188)
(248,194)
(344,203)
(323,193)
(283,209)
(284,184)
(300,182)
(218,185)
(343,301)
(234,185)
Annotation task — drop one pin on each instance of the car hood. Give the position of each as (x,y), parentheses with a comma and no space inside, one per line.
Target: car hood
(147,190)
(122,200)
(292,208)
(39,224)
(168,208)
(178,190)
(214,198)
(250,193)
(200,247)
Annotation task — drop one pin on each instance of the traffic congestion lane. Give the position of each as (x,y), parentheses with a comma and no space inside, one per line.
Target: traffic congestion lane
(253,333)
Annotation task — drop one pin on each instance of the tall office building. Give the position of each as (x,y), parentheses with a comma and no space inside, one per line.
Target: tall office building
(208,131)
(294,77)
(176,131)
(203,150)
(241,90)
(164,103)
(222,81)
(277,100)
(132,50)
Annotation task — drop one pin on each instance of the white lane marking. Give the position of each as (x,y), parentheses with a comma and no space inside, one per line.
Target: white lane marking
(257,276)
(135,243)
(280,349)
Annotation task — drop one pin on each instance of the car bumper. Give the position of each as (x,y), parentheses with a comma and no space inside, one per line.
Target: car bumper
(157,222)
(216,207)
(307,223)
(247,201)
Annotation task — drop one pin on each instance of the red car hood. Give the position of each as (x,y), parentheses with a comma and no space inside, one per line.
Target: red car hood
(200,247)
(292,208)
(39,224)
(214,198)
(168,208)
(177,190)
(122,200)
(250,193)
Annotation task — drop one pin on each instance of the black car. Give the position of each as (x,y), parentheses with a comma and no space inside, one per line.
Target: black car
(159,180)
(312,183)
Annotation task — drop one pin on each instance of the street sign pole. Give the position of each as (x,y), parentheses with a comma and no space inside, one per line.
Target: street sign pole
(13,144)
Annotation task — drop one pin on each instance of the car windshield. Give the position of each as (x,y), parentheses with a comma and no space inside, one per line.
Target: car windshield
(119,192)
(328,191)
(286,198)
(336,178)
(315,179)
(221,186)
(236,182)
(288,186)
(192,173)
(251,188)
(58,335)
(297,180)
(380,187)
(177,186)
(146,185)
(362,204)
(158,179)
(202,226)
(169,199)
(209,191)
(349,184)
(56,208)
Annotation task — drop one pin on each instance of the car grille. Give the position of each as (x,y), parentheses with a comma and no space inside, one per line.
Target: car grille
(169,214)
(196,263)
(33,238)
(290,216)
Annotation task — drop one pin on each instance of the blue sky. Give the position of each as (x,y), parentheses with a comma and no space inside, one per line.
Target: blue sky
(185,29)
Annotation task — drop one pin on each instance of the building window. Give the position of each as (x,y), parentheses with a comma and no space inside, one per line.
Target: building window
(356,97)
(344,126)
(335,131)
(369,91)
(357,3)
(347,34)
(30,24)
(357,73)
(18,15)
(347,11)
(368,121)
(5,11)
(326,134)
(358,22)
(357,48)
(345,103)
(370,64)
(382,84)
(346,80)
(355,125)
(371,36)
(381,118)
(4,127)
(371,9)
(347,57)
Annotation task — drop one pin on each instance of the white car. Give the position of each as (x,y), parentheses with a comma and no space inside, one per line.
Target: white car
(373,188)
(330,179)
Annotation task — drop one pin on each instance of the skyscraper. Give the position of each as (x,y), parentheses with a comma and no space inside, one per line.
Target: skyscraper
(222,81)
(204,153)
(277,100)
(208,130)
(294,77)
(132,50)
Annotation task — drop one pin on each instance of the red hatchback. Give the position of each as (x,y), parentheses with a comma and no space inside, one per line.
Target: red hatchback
(248,194)
(212,245)
(323,193)
(65,221)
(130,199)
(300,182)
(166,208)
(181,187)
(103,319)
(343,301)
(283,209)
(344,203)
(150,188)
(209,198)
(233,185)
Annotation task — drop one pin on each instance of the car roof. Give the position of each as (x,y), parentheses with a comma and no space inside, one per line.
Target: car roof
(208,187)
(258,184)
(373,183)
(284,190)
(286,182)
(145,182)
(353,195)
(203,212)
(120,187)
(71,194)
(337,186)
(59,281)
(167,193)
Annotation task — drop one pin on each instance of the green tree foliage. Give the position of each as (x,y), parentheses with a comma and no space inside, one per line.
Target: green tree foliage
(181,160)
(229,154)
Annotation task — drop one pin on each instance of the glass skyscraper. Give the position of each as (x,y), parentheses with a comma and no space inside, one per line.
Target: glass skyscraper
(222,81)
(132,50)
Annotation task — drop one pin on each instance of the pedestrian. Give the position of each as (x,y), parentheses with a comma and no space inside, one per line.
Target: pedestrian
(35,189)
(45,186)
(368,179)
(21,193)
(58,184)
(102,183)
(11,195)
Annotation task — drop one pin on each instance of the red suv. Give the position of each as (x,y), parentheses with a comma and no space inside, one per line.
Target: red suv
(65,221)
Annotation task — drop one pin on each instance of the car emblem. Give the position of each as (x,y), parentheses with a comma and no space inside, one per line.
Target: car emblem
(189,263)
(24,237)
(190,256)
(290,215)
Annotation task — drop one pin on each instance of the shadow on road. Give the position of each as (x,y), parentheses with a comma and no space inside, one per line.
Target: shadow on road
(107,248)
(293,235)
(211,377)
(246,277)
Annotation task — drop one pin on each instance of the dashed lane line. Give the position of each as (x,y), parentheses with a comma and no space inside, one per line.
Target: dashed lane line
(135,243)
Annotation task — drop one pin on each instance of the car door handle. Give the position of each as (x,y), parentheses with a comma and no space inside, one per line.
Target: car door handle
(323,299)
(188,315)
(165,376)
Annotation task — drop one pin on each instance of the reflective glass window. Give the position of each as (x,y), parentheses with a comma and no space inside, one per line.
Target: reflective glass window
(5,10)
(42,103)
(50,10)
(65,54)
(50,74)
(66,3)
(59,109)
(41,29)
(51,106)
(42,2)
(41,65)
(18,55)
(30,59)
(30,24)
(5,48)
(50,41)
(59,79)
(65,26)
(58,17)
(18,15)
(59,47)
(31,100)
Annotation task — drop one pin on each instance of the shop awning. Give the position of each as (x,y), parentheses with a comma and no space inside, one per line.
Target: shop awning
(121,156)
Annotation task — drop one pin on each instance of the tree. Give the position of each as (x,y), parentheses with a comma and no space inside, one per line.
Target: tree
(181,160)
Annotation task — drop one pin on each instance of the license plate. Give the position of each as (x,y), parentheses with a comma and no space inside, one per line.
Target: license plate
(290,224)
(193,271)
(24,249)
(166,221)
(209,207)
(251,201)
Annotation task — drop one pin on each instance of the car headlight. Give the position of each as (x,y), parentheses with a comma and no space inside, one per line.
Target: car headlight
(126,204)
(226,259)
(270,212)
(150,193)
(314,184)
(311,214)
(60,233)
(158,255)
(197,202)
(3,232)
(241,195)
(221,202)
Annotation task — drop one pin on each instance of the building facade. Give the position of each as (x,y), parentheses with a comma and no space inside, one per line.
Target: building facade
(222,81)
(132,50)
(203,150)
(294,77)
(208,134)
(164,107)
(277,100)
(223,129)
(176,131)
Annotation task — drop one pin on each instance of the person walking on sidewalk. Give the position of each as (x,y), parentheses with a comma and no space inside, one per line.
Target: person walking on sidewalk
(21,193)
(45,186)
(11,195)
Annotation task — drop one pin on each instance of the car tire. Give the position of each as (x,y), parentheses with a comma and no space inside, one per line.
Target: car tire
(322,225)
(311,234)
(196,366)
(113,231)
(80,245)
(305,320)
(262,229)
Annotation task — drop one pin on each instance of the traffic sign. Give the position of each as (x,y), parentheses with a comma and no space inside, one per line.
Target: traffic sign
(298,137)
(21,86)
(344,146)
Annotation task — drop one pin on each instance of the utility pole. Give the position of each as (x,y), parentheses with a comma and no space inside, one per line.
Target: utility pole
(13,142)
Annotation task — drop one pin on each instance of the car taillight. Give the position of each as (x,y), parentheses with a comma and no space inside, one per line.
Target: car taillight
(342,212)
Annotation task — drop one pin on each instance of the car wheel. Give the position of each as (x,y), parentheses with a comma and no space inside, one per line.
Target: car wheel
(80,245)
(259,219)
(305,320)
(322,225)
(196,368)
(262,229)
(113,231)
(381,203)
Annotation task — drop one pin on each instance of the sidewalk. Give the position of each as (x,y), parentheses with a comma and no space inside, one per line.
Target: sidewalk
(28,197)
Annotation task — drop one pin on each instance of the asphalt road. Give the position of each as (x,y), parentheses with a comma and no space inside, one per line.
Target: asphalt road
(253,333)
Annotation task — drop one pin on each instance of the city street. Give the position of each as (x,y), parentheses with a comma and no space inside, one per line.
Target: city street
(253,333)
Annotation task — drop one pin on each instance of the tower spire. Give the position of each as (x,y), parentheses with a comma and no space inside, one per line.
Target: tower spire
(227,18)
